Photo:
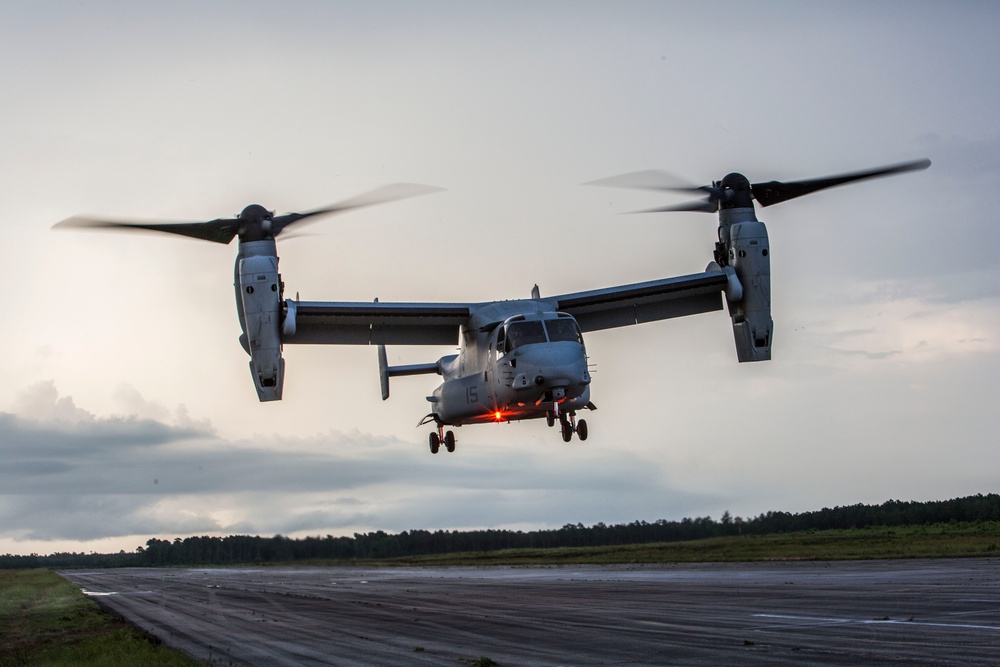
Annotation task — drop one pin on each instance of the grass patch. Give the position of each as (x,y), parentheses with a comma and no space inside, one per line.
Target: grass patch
(951,540)
(45,620)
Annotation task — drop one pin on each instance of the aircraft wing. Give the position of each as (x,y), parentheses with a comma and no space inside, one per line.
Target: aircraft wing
(349,323)
(375,323)
(644,302)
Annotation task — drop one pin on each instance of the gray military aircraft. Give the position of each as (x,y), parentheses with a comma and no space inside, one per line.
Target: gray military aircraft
(520,359)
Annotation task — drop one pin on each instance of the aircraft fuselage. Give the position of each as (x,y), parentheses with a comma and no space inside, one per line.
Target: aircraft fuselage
(517,368)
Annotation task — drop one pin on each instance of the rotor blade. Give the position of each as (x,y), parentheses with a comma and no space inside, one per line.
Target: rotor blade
(774,192)
(707,205)
(649,179)
(381,195)
(220,230)
(291,236)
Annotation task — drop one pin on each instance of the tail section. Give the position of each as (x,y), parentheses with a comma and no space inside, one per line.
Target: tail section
(385,371)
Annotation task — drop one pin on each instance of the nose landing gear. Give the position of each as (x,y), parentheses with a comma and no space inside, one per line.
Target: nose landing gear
(571,425)
(438,437)
(568,425)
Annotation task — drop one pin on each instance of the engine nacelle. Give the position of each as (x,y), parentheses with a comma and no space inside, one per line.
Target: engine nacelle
(749,255)
(260,291)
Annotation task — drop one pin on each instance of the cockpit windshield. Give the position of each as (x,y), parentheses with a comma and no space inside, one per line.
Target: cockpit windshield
(525,332)
(563,328)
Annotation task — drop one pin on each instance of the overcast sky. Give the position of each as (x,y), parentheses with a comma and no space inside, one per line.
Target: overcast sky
(128,411)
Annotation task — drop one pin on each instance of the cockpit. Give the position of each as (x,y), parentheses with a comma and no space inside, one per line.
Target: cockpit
(518,331)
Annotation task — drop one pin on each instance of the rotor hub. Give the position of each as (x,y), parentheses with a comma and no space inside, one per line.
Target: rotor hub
(735,192)
(256,223)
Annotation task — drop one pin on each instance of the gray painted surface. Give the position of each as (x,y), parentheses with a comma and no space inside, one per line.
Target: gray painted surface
(940,612)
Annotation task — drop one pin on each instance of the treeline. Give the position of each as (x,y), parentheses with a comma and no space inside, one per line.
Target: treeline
(375,545)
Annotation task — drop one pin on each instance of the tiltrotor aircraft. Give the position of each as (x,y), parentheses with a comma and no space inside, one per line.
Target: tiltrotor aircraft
(520,359)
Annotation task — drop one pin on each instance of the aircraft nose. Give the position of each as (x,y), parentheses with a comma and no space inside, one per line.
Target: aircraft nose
(552,365)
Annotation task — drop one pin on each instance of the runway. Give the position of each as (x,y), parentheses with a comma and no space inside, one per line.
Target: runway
(913,612)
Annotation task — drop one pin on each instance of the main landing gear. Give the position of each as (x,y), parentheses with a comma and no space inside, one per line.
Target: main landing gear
(439,437)
(568,425)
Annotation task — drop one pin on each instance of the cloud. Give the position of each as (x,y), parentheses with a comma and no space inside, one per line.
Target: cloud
(48,426)
(71,475)
(41,402)
(129,398)
(867,354)
(968,285)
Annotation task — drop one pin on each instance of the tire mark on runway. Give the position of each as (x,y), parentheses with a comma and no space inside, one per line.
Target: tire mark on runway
(877,621)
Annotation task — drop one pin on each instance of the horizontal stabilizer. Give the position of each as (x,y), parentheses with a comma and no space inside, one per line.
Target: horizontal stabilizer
(385,371)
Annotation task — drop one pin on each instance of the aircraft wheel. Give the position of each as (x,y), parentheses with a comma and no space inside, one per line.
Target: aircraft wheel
(581,429)
(449,441)
(550,418)
(435,442)
(567,432)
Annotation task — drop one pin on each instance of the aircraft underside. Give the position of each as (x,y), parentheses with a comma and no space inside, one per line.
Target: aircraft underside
(553,413)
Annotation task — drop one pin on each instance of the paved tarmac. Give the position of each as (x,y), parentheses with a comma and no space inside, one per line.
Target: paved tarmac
(914,612)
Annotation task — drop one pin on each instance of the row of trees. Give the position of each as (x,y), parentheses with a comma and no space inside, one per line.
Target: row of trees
(379,544)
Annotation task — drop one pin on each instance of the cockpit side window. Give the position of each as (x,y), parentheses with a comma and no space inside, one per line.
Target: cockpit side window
(524,333)
(563,328)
